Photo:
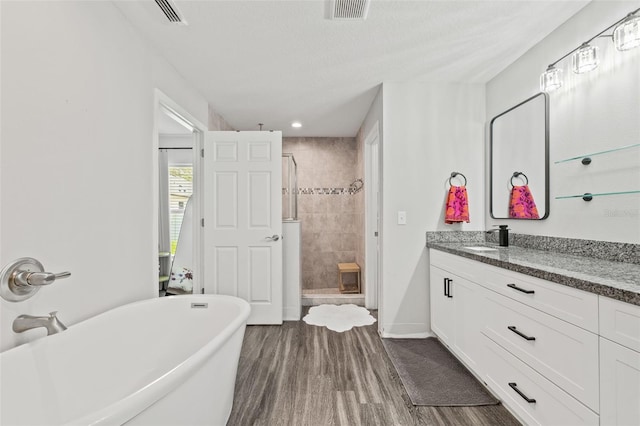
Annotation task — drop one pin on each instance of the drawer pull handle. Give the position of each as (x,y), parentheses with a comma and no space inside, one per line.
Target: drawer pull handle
(514,386)
(515,287)
(447,287)
(519,333)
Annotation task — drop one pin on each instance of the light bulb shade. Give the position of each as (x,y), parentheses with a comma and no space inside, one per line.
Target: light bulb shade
(551,79)
(585,59)
(627,35)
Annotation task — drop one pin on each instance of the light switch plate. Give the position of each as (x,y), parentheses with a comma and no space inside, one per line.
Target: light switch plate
(402,218)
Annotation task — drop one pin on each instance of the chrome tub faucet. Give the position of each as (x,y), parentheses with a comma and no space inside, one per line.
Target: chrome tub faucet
(28,322)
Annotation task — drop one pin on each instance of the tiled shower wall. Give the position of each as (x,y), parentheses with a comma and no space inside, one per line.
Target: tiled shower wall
(331,216)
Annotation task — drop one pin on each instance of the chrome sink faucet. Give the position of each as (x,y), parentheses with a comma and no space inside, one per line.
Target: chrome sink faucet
(28,322)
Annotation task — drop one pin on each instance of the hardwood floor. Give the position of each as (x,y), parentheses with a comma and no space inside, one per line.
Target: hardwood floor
(298,374)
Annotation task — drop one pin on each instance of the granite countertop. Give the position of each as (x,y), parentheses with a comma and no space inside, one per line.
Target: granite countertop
(617,280)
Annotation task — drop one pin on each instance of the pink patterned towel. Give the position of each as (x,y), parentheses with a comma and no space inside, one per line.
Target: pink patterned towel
(522,205)
(457,208)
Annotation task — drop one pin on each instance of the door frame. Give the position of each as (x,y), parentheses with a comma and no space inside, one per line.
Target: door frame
(161,100)
(372,195)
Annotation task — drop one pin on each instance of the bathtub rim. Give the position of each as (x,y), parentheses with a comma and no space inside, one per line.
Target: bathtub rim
(131,405)
(128,407)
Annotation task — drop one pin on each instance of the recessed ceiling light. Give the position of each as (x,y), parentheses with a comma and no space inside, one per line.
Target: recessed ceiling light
(296,124)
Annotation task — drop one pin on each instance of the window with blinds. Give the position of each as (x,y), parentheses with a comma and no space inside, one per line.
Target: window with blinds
(180,189)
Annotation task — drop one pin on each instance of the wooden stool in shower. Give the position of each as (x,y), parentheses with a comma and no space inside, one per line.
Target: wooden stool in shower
(348,268)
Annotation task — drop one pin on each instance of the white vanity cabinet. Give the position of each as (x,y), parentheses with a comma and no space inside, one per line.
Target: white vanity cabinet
(456,308)
(534,343)
(442,316)
(619,363)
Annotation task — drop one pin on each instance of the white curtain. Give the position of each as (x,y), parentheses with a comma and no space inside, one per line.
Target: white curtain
(181,281)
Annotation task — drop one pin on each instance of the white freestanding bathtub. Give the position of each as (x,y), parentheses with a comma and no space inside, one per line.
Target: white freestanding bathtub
(165,361)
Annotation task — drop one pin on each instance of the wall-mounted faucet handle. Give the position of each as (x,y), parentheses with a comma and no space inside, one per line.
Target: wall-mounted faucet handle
(22,278)
(26,278)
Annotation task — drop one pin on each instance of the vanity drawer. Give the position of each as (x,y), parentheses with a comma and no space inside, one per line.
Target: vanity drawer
(620,322)
(506,375)
(575,306)
(563,353)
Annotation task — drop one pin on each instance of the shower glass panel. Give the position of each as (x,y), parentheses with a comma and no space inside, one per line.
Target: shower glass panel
(290,187)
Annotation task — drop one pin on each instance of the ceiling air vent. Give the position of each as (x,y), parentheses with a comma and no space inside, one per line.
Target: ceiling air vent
(171,11)
(349,9)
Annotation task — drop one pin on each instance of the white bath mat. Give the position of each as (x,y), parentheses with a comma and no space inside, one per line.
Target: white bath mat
(339,317)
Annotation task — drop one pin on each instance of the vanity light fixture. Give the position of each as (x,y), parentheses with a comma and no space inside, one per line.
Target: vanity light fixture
(585,59)
(551,79)
(625,36)
(296,124)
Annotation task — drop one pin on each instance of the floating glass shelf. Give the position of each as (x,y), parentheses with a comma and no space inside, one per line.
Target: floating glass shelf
(588,196)
(588,156)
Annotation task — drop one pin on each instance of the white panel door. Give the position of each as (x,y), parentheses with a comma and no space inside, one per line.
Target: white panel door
(243,220)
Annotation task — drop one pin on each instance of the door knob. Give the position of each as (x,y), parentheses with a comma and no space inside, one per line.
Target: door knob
(274,237)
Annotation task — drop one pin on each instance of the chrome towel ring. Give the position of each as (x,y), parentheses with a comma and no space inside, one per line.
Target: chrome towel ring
(454,174)
(518,174)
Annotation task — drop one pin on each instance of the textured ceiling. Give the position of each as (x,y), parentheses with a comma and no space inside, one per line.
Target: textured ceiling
(274,62)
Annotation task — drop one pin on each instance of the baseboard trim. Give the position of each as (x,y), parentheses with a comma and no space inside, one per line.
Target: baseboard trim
(404,331)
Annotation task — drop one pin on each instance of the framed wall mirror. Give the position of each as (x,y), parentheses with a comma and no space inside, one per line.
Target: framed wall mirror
(519,161)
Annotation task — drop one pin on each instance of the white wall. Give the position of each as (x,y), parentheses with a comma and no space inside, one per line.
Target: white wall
(592,112)
(291,270)
(374,115)
(78,91)
(373,118)
(430,130)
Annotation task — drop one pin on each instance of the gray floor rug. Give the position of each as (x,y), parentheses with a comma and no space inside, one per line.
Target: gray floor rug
(434,377)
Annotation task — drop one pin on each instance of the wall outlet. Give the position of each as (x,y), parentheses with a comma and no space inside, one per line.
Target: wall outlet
(402,218)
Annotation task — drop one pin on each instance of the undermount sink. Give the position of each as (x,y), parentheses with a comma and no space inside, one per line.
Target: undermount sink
(481,248)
